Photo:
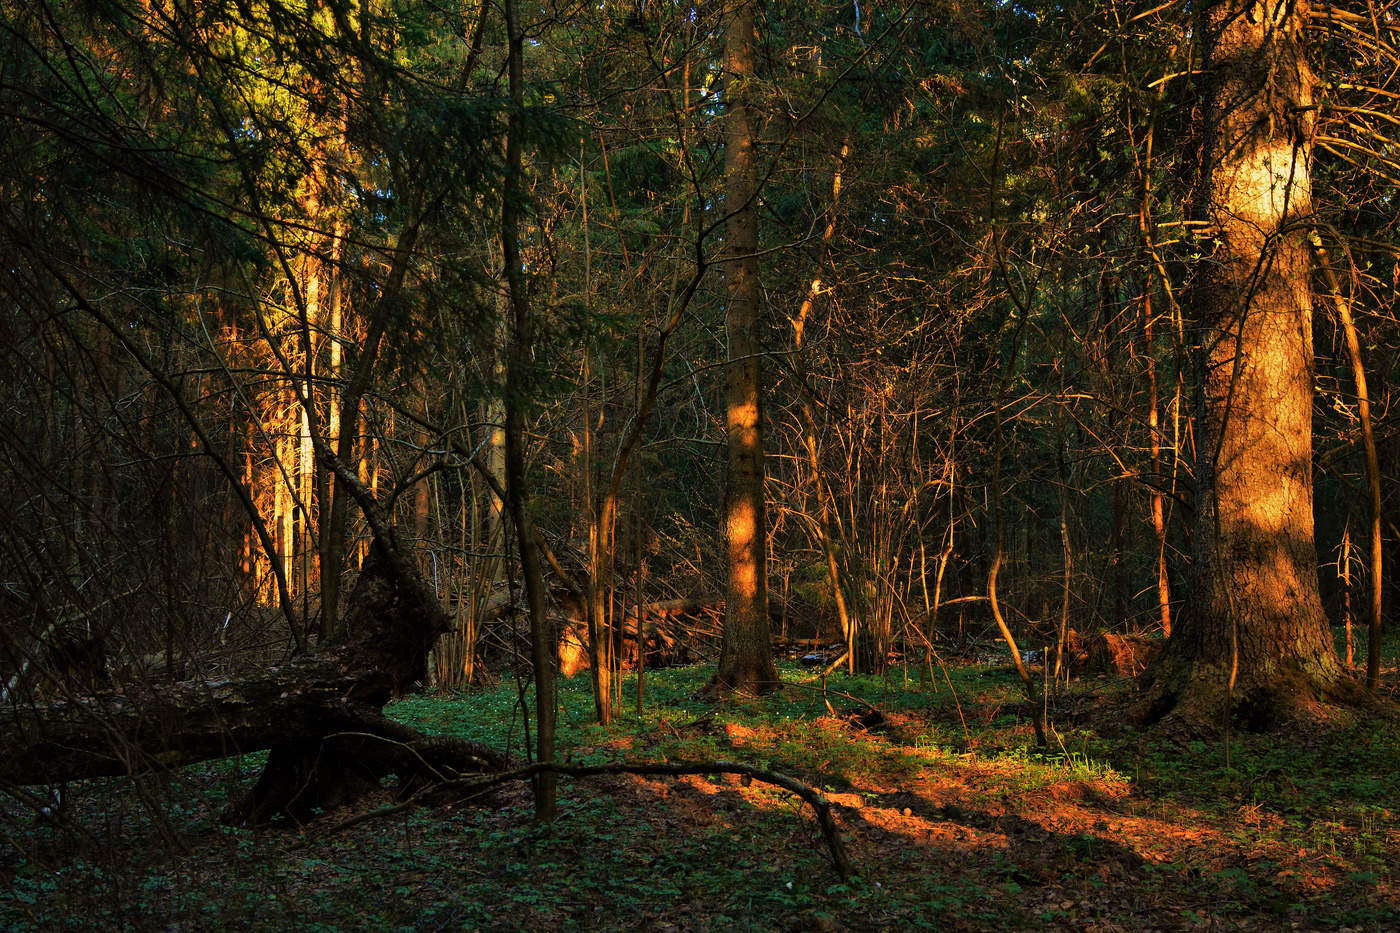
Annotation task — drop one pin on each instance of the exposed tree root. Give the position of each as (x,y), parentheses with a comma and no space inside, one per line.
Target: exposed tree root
(743,682)
(319,715)
(301,778)
(1200,698)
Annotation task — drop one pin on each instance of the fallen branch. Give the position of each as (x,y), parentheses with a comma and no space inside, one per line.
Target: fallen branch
(470,787)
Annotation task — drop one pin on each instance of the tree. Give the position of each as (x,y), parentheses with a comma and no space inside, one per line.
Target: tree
(517,488)
(746,656)
(1254,636)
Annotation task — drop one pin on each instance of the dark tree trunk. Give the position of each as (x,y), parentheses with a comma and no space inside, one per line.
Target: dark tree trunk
(517,491)
(1253,634)
(746,654)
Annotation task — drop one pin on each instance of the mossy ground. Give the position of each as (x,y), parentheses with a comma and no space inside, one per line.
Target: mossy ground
(953,820)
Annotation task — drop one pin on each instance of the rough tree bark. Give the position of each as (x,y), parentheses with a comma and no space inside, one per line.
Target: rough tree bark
(746,653)
(1253,638)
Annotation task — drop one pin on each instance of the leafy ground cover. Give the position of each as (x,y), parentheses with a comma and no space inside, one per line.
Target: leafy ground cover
(953,820)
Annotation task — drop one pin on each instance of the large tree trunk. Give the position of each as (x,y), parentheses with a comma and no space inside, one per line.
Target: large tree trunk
(1253,635)
(746,654)
(319,715)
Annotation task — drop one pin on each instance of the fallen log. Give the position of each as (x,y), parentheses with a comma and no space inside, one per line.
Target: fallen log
(319,715)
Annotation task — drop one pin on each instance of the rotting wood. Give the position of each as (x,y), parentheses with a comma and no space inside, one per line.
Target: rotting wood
(318,714)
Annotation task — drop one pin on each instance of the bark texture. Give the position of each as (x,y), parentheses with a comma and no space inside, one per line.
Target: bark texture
(746,655)
(1253,634)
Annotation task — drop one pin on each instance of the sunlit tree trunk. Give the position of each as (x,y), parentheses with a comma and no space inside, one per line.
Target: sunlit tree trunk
(1344,574)
(1154,426)
(1154,429)
(1066,542)
(330,554)
(746,654)
(494,415)
(1253,634)
(283,503)
(599,553)
(312,326)
(599,584)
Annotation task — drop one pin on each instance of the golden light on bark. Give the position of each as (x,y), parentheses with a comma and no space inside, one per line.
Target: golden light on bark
(746,658)
(1271,181)
(743,422)
(1255,637)
(741,526)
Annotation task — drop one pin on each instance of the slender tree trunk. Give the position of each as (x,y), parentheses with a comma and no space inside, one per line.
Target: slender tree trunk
(1066,543)
(1253,638)
(312,324)
(1344,572)
(329,573)
(1154,426)
(998,554)
(638,576)
(494,414)
(348,425)
(517,492)
(283,506)
(599,546)
(1373,470)
(1018,660)
(1158,509)
(826,531)
(746,654)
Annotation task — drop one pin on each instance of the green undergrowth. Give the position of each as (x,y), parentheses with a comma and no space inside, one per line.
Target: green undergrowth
(673,699)
(955,820)
(811,727)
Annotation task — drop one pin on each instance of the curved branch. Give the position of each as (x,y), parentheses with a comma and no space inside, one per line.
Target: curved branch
(821,807)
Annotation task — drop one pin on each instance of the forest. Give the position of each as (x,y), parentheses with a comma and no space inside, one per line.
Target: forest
(525,464)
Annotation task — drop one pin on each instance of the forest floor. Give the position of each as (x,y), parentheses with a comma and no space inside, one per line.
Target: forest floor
(951,817)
